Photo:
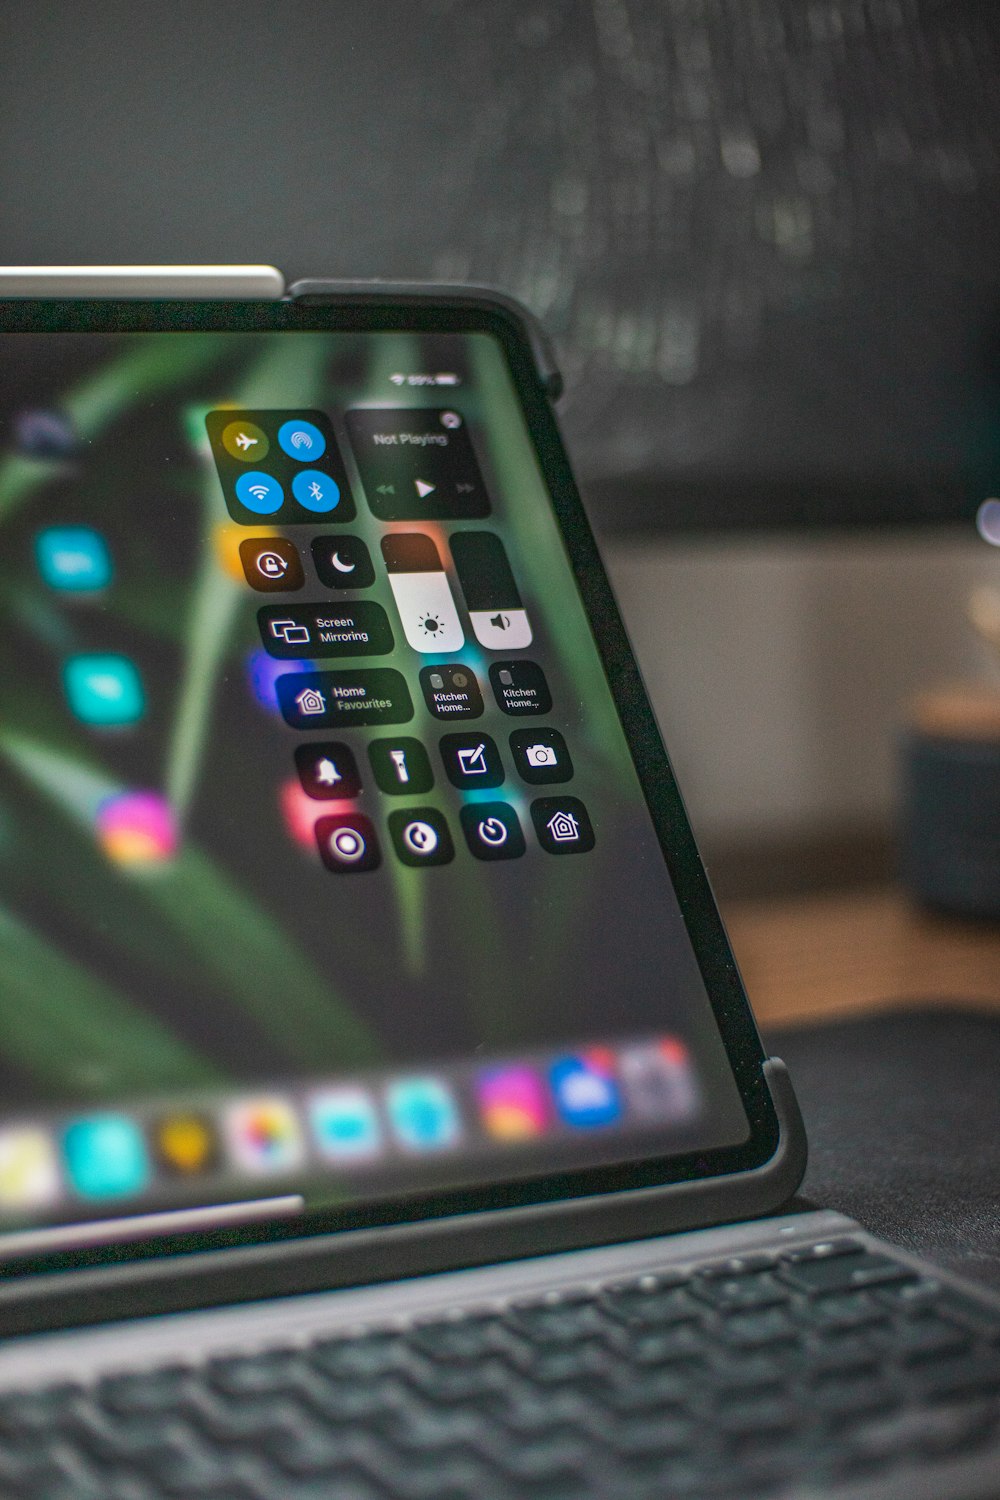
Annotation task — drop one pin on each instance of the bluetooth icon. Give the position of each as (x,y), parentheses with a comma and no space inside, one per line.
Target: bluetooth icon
(316,491)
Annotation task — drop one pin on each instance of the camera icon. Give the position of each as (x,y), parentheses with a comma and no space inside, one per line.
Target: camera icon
(541,755)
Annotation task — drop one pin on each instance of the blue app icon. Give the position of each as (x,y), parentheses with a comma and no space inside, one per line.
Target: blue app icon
(302,440)
(344,1123)
(423,1114)
(259,492)
(104,690)
(105,1156)
(585,1089)
(73,558)
(316,490)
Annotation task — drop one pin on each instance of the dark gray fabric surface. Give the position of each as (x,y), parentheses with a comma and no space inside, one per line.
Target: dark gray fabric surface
(902,1111)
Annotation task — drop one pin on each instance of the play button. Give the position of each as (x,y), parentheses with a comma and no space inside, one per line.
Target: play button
(424,489)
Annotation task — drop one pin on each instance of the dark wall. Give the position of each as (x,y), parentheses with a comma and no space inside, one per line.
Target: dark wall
(764,234)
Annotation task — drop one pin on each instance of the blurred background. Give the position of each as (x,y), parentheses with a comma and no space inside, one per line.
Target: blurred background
(765,237)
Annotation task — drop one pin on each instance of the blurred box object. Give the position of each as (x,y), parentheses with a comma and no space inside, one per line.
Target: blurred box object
(950,846)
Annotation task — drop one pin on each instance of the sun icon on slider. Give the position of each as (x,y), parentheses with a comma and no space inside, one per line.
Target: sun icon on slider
(431,624)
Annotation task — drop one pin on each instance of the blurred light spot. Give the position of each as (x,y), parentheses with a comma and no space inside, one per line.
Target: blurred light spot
(137,829)
(740,155)
(45,434)
(263,672)
(988,522)
(226,538)
(300,812)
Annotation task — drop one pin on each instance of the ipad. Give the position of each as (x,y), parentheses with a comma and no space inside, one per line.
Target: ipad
(343,876)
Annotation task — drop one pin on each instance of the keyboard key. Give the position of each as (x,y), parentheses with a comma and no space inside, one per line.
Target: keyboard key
(254,1374)
(927,1337)
(677,1344)
(825,1250)
(651,1390)
(949,1430)
(37,1410)
(651,1300)
(956,1376)
(732,1293)
(650,1435)
(757,1330)
(843,1272)
(558,1364)
(148,1391)
(847,1310)
(366,1354)
(559,1324)
(847,1398)
(945,1431)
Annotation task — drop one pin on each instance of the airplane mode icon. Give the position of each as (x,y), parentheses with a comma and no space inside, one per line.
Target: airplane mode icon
(245,441)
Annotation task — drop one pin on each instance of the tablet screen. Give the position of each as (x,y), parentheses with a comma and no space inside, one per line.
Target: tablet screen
(326,873)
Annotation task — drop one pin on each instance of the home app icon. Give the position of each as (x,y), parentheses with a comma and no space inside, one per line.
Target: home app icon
(562,825)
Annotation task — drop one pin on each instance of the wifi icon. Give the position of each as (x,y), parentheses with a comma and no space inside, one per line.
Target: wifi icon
(259,493)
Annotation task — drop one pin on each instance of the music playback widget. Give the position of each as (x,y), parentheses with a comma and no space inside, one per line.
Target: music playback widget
(417,464)
(498,617)
(280,464)
(422,592)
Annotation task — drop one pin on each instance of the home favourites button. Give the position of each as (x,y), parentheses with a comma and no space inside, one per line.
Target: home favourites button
(320,700)
(420,836)
(540,755)
(562,825)
(492,830)
(347,843)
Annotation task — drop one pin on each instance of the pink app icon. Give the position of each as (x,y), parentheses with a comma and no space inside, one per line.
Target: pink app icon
(137,829)
(513,1104)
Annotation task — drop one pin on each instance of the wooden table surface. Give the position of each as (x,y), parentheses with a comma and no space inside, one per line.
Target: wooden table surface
(816,957)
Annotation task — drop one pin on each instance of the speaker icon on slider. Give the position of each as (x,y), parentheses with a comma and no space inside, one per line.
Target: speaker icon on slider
(498,617)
